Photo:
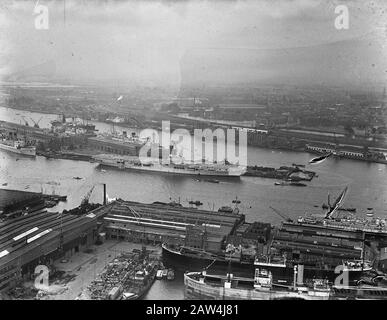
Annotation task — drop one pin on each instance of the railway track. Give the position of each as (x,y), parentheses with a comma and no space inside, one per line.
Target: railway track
(16,222)
(31,231)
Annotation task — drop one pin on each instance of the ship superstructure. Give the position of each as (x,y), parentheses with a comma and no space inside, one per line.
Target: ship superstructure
(200,285)
(18,146)
(156,165)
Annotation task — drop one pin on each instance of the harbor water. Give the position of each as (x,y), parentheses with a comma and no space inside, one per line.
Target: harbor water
(366,181)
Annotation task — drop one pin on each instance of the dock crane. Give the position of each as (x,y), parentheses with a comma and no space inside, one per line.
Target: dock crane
(86,198)
(36,123)
(133,212)
(25,121)
(282,215)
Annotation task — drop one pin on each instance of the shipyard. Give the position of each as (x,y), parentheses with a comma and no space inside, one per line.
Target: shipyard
(193,153)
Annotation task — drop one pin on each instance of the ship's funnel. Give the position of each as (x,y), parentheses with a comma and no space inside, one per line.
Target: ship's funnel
(370,212)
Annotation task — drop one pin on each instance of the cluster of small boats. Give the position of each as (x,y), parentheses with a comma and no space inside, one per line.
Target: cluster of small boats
(168,274)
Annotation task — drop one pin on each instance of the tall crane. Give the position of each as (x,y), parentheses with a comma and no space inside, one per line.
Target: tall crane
(133,212)
(86,198)
(36,123)
(282,215)
(25,121)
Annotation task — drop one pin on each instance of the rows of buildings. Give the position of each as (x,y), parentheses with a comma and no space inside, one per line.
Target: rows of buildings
(41,238)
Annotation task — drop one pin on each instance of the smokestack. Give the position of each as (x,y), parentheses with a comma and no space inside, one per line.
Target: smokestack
(300,275)
(104,194)
(295,277)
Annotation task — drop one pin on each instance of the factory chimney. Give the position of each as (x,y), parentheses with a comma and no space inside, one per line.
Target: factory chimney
(104,194)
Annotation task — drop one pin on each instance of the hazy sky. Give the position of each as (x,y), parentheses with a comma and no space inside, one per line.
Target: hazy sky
(174,42)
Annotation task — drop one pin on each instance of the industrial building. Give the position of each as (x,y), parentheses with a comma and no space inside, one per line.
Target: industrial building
(309,243)
(10,198)
(40,238)
(157,223)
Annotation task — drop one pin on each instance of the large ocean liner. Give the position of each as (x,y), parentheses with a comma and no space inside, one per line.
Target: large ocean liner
(174,167)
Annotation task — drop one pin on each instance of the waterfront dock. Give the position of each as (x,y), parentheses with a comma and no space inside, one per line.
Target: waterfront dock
(293,173)
(128,276)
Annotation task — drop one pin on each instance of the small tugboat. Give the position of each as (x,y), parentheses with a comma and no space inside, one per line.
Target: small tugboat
(297,184)
(236,201)
(298,165)
(196,203)
(129,296)
(290,183)
(212,180)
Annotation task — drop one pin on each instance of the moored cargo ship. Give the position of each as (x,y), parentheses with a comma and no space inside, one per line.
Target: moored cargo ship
(200,285)
(18,146)
(202,257)
(281,268)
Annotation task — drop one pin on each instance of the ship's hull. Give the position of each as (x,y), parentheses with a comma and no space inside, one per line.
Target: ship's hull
(281,275)
(237,172)
(26,151)
(195,289)
(202,261)
(146,288)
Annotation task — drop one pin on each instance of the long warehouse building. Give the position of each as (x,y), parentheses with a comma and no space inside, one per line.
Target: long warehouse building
(158,223)
(34,239)
(41,238)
